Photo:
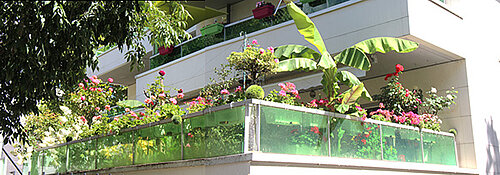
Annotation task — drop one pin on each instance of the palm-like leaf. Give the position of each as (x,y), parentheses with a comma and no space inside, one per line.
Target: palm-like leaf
(295,51)
(349,79)
(296,64)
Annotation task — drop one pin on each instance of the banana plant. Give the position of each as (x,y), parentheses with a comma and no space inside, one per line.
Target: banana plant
(298,57)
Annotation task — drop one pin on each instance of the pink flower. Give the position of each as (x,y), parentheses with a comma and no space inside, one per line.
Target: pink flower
(238,89)
(94,77)
(290,85)
(95,81)
(110,89)
(173,100)
(359,108)
(282,93)
(81,85)
(97,108)
(190,135)
(276,60)
(248,45)
(83,119)
(110,80)
(271,49)
(294,92)
(82,98)
(162,95)
(162,73)
(180,95)
(381,105)
(224,91)
(254,42)
(91,89)
(283,87)
(364,141)
(148,101)
(99,89)
(188,145)
(262,51)
(107,107)
(127,110)
(133,114)
(115,119)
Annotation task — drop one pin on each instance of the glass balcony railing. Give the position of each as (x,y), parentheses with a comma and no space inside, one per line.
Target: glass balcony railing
(234,30)
(273,128)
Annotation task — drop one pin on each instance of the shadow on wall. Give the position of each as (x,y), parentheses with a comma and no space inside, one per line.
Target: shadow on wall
(492,164)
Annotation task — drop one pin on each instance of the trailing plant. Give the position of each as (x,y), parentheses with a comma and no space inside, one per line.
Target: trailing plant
(254,61)
(296,57)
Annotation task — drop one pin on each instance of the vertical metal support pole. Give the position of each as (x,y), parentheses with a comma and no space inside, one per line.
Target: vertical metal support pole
(422,145)
(96,153)
(67,157)
(328,130)
(257,127)
(43,161)
(224,29)
(456,156)
(133,147)
(182,140)
(381,141)
(181,51)
(246,139)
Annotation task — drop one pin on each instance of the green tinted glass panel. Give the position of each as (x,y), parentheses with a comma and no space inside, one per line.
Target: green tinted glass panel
(292,132)
(439,149)
(35,169)
(115,150)
(54,160)
(159,143)
(82,156)
(215,134)
(355,139)
(401,144)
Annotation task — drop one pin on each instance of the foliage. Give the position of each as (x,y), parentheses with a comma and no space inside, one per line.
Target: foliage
(254,61)
(400,105)
(300,58)
(397,98)
(52,42)
(224,97)
(312,137)
(284,95)
(255,91)
(226,78)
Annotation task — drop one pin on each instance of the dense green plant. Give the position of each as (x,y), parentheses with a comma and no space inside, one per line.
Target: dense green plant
(311,137)
(255,91)
(226,79)
(53,42)
(296,57)
(434,103)
(254,61)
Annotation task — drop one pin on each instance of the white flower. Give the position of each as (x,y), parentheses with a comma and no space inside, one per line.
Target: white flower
(449,97)
(65,132)
(65,110)
(433,90)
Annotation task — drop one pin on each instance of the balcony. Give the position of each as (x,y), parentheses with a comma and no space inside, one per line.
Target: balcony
(251,129)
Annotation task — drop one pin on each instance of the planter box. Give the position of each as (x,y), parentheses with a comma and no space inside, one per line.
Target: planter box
(306,1)
(262,12)
(163,51)
(212,29)
(250,126)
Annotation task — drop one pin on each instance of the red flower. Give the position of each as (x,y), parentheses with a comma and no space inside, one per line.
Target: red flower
(368,128)
(294,130)
(179,91)
(315,129)
(388,76)
(367,135)
(399,68)
(364,141)
(190,135)
(162,73)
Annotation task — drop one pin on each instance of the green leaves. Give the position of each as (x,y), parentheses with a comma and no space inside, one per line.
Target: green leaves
(311,34)
(353,57)
(130,104)
(349,79)
(296,64)
(295,51)
(353,94)
(386,44)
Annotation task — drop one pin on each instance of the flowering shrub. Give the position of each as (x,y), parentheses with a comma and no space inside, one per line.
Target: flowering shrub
(288,94)
(400,105)
(255,61)
(353,109)
(225,96)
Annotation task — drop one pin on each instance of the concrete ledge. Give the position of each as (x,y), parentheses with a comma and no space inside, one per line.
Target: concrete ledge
(285,160)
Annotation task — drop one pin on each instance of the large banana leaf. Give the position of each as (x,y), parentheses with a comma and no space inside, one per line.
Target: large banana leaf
(386,44)
(311,34)
(295,51)
(354,57)
(353,94)
(329,82)
(296,64)
(349,79)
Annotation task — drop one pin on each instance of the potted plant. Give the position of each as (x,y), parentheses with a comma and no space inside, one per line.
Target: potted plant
(263,10)
(212,29)
(163,51)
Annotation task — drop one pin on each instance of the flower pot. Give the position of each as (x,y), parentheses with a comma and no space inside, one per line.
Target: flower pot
(316,3)
(262,12)
(306,1)
(212,29)
(163,51)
